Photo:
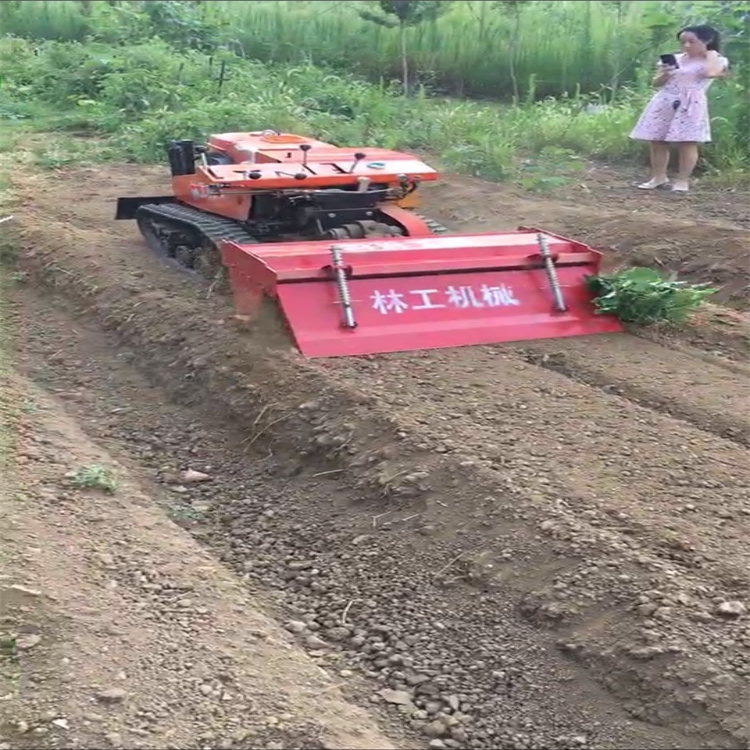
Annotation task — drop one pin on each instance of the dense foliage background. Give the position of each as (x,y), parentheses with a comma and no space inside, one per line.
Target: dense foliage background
(487,85)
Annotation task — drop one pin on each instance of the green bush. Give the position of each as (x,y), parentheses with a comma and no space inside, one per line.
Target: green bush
(464,52)
(144,94)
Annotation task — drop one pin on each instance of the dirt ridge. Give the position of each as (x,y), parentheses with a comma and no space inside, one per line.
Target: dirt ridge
(732,424)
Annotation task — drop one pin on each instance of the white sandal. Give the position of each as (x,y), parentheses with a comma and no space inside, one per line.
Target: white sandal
(652,184)
(681,187)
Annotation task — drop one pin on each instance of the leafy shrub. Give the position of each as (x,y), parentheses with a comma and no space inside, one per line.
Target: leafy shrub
(643,296)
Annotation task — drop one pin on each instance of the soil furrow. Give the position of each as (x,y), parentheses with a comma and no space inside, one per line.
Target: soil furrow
(704,394)
(564,439)
(143,639)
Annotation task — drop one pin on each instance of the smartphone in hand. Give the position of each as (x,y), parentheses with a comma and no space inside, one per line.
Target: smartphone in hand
(669,61)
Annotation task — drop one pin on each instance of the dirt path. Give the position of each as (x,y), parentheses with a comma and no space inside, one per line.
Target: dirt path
(492,534)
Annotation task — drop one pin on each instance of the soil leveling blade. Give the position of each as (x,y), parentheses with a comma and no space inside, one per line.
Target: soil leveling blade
(367,296)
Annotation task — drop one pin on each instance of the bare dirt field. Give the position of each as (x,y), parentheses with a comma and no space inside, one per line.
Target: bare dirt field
(536,545)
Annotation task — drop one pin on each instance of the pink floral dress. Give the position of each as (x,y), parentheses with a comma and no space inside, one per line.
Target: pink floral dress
(678,111)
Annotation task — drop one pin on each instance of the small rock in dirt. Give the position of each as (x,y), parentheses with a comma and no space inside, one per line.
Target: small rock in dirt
(111,695)
(114,739)
(337,633)
(435,728)
(22,726)
(62,723)
(27,640)
(295,626)
(396,697)
(459,734)
(416,679)
(312,641)
(731,609)
(193,477)
(436,744)
(17,587)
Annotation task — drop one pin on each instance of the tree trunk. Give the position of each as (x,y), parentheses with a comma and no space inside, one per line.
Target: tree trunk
(513,48)
(617,56)
(404,59)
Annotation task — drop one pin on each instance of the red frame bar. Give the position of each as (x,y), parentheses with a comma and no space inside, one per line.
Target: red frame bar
(277,263)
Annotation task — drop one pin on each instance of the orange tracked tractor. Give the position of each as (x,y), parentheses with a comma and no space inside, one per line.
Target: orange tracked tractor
(332,235)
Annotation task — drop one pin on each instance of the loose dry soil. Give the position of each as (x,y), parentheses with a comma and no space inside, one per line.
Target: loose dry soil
(537,545)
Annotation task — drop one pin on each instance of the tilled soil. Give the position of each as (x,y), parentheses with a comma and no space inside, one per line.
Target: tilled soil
(118,629)
(519,546)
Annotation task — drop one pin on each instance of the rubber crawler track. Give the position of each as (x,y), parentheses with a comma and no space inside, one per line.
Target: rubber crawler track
(212,227)
(209,228)
(432,225)
(216,228)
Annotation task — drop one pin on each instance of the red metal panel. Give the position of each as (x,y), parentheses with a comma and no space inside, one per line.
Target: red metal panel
(438,311)
(398,255)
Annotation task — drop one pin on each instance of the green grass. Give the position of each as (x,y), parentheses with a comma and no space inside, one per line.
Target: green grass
(563,44)
(466,51)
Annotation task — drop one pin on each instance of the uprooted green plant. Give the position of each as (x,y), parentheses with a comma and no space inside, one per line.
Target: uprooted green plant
(95,477)
(642,296)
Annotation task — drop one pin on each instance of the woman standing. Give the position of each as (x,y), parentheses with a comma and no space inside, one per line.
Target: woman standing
(678,111)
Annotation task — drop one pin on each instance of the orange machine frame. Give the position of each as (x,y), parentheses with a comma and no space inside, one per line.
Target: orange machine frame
(264,161)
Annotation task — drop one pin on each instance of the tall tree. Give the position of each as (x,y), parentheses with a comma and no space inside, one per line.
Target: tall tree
(514,9)
(618,6)
(402,14)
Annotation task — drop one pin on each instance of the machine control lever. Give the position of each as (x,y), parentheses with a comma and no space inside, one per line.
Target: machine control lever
(357,159)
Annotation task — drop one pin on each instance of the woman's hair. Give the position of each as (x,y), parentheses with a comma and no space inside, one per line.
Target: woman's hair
(707,34)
